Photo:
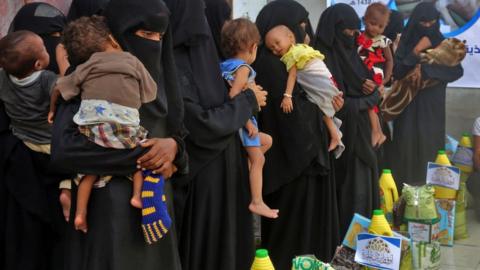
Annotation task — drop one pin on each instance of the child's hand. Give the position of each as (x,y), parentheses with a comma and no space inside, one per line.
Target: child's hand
(287,105)
(252,129)
(51,116)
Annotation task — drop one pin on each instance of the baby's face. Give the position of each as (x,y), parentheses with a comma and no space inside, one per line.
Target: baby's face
(43,58)
(375,24)
(279,41)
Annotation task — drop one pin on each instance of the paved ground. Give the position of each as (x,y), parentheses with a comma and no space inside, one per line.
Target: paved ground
(465,254)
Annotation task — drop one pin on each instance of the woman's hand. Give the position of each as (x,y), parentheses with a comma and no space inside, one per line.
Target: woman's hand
(368,87)
(416,76)
(160,157)
(287,105)
(338,102)
(422,45)
(260,94)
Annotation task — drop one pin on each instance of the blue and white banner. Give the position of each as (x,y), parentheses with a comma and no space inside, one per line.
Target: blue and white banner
(459,19)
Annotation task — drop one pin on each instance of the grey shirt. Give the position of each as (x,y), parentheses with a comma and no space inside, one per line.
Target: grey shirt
(28,106)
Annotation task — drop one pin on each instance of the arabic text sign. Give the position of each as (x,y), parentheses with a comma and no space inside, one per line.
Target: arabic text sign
(381,252)
(445,176)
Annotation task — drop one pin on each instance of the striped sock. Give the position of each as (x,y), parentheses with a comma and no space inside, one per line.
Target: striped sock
(155,218)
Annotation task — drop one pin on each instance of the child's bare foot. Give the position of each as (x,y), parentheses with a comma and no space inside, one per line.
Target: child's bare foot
(66,202)
(136,201)
(81,222)
(263,210)
(378,138)
(334,142)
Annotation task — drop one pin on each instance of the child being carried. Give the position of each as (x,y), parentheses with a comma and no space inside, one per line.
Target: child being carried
(305,65)
(113,84)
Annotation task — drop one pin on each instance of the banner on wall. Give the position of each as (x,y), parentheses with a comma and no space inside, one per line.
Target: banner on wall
(459,19)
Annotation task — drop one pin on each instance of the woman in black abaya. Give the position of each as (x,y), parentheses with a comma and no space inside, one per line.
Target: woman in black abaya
(114,239)
(298,174)
(215,225)
(419,131)
(356,170)
(31,224)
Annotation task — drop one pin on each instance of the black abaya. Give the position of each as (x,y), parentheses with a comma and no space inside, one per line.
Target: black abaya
(356,170)
(31,223)
(215,225)
(115,239)
(419,131)
(298,174)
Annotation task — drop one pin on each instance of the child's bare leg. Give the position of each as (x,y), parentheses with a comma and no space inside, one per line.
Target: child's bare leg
(83,195)
(257,205)
(332,130)
(66,202)
(378,138)
(265,141)
(136,200)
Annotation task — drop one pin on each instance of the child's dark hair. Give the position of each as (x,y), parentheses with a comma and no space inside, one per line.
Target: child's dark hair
(17,55)
(377,7)
(238,35)
(84,37)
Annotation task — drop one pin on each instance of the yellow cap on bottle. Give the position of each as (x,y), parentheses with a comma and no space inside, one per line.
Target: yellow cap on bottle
(465,141)
(443,192)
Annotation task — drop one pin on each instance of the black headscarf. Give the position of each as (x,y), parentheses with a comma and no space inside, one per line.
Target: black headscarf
(300,138)
(340,51)
(394,26)
(123,18)
(192,33)
(284,12)
(43,19)
(413,31)
(80,8)
(218,12)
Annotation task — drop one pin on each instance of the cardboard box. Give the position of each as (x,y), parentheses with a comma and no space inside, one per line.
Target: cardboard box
(358,225)
(446,211)
(422,232)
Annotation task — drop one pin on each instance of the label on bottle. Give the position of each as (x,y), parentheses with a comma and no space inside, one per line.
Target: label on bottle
(463,156)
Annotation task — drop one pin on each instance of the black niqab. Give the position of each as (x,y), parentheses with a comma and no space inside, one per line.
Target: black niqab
(80,8)
(394,26)
(43,19)
(192,34)
(341,55)
(413,32)
(156,56)
(218,12)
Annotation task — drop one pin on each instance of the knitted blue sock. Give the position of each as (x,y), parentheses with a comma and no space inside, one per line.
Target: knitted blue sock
(155,218)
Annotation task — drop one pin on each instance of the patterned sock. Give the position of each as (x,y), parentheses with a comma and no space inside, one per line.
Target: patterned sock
(155,218)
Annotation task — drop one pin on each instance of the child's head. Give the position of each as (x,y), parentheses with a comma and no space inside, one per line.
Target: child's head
(376,19)
(22,53)
(240,36)
(279,40)
(86,36)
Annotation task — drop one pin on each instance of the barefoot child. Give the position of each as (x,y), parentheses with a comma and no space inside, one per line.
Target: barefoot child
(306,65)
(240,38)
(374,49)
(113,84)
